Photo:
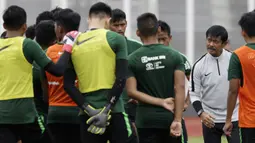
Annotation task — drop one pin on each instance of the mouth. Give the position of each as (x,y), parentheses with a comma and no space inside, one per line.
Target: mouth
(122,33)
(211,49)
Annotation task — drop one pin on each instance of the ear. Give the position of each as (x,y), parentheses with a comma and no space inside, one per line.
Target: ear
(4,26)
(159,29)
(138,33)
(243,33)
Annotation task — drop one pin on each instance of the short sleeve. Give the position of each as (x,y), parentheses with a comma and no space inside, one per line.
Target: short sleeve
(33,52)
(234,69)
(118,43)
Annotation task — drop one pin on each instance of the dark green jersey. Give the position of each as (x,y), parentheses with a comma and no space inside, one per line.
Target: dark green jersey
(153,66)
(99,98)
(21,111)
(132,46)
(186,64)
(235,68)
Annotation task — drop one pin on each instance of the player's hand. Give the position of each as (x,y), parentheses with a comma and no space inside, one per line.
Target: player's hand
(168,104)
(176,129)
(69,40)
(91,111)
(228,128)
(99,121)
(133,101)
(207,119)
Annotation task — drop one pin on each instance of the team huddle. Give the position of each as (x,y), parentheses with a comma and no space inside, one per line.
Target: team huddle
(60,85)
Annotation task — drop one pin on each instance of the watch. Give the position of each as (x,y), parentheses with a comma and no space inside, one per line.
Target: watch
(200,112)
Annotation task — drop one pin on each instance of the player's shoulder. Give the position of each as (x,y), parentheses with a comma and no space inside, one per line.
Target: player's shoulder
(133,41)
(29,43)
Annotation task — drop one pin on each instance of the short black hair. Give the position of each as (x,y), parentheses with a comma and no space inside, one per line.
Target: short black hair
(118,15)
(100,9)
(147,24)
(14,17)
(30,32)
(46,15)
(217,31)
(55,11)
(164,27)
(69,19)
(247,23)
(3,35)
(45,33)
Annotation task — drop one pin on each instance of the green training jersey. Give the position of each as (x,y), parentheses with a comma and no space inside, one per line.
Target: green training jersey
(153,66)
(22,111)
(118,45)
(132,45)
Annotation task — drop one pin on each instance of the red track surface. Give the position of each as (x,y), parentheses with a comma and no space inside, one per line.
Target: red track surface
(194,126)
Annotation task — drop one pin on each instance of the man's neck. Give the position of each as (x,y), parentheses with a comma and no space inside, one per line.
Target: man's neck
(150,40)
(250,40)
(11,34)
(96,23)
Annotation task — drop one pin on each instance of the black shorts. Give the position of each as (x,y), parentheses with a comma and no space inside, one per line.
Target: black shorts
(248,135)
(149,135)
(184,134)
(64,132)
(28,133)
(119,131)
(213,135)
(130,109)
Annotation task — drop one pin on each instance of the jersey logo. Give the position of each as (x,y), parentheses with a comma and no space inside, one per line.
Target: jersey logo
(208,74)
(5,47)
(85,40)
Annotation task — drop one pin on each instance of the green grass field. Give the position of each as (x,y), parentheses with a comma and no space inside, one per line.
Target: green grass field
(200,140)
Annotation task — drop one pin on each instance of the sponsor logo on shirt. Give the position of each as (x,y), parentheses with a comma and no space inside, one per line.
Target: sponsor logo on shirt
(153,63)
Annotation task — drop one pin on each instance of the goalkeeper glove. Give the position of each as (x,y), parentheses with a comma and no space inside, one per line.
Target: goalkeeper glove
(91,111)
(69,40)
(100,121)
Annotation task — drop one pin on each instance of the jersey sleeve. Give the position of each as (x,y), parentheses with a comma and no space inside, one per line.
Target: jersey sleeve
(187,65)
(130,67)
(179,64)
(33,52)
(234,69)
(118,43)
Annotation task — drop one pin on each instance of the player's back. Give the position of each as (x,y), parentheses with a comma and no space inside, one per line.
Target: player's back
(94,57)
(153,67)
(57,95)
(15,70)
(246,56)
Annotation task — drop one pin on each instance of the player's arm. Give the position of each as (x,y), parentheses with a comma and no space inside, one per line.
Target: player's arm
(33,52)
(120,47)
(187,73)
(44,86)
(71,89)
(131,86)
(179,84)
(195,89)
(234,77)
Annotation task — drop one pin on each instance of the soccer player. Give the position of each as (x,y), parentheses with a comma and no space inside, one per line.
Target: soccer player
(209,86)
(118,24)
(99,61)
(165,37)
(18,117)
(45,37)
(63,121)
(156,74)
(241,81)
